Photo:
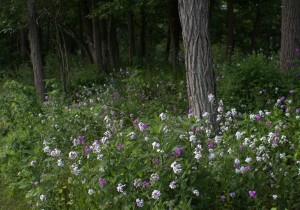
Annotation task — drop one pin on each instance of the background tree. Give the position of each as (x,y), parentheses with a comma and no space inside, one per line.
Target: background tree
(35,48)
(194,16)
(290,33)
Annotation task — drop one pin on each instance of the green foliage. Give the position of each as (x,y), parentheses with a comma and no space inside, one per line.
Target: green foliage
(250,82)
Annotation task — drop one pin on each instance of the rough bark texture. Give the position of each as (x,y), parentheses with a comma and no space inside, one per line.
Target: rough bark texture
(290,33)
(194,16)
(35,47)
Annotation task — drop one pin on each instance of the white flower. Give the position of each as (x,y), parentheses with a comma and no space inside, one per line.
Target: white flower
(218,139)
(274,197)
(55,153)
(73,155)
(120,187)
(176,167)
(196,192)
(282,155)
(32,163)
(47,149)
(172,185)
(139,202)
(248,160)
(42,197)
(155,194)
(155,144)
(239,135)
(60,163)
(193,138)
(91,191)
(205,115)
(163,116)
(211,98)
(154,177)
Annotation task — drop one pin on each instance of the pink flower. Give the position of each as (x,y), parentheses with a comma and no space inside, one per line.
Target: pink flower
(252,194)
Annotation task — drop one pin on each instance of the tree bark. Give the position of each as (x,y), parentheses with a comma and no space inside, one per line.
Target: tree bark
(194,16)
(104,44)
(97,41)
(175,29)
(143,34)
(290,33)
(230,29)
(131,36)
(256,25)
(35,47)
(113,43)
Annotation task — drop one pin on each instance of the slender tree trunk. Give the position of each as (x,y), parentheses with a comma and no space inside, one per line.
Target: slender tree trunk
(230,29)
(256,25)
(35,47)
(290,33)
(194,16)
(97,41)
(104,44)
(143,34)
(175,29)
(131,37)
(113,43)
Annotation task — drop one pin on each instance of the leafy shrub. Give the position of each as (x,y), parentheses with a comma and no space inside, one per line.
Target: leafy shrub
(251,82)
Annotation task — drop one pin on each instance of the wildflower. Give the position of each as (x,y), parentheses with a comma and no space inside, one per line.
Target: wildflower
(248,160)
(60,163)
(239,135)
(205,115)
(120,187)
(155,144)
(193,138)
(258,117)
(139,202)
(42,197)
(142,126)
(146,184)
(163,116)
(102,182)
(196,192)
(146,138)
(91,191)
(232,194)
(32,163)
(274,197)
(137,183)
(120,146)
(55,153)
(73,155)
(176,167)
(47,149)
(132,135)
(154,177)
(172,185)
(252,194)
(155,194)
(211,98)
(222,197)
(179,150)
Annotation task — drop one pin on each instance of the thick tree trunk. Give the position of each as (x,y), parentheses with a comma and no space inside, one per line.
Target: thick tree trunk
(290,33)
(230,30)
(131,36)
(194,16)
(36,54)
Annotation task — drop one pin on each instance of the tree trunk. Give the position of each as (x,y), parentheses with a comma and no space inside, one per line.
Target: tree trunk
(113,43)
(290,33)
(256,25)
(104,44)
(194,16)
(230,30)
(97,41)
(35,47)
(175,29)
(131,37)
(143,34)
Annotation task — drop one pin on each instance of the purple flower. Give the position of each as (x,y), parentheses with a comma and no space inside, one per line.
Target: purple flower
(232,194)
(282,98)
(81,139)
(247,168)
(136,122)
(131,115)
(146,184)
(87,149)
(292,91)
(120,146)
(139,202)
(298,110)
(258,117)
(268,124)
(179,150)
(222,197)
(102,182)
(252,194)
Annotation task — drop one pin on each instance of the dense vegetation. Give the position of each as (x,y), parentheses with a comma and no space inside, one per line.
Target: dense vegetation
(129,142)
